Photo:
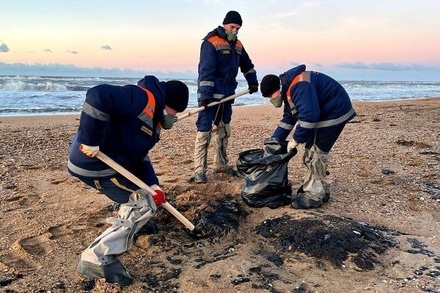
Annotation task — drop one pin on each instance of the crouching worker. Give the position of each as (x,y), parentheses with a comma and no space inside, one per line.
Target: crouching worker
(316,108)
(124,122)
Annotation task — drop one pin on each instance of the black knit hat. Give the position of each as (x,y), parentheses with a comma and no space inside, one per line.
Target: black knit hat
(269,85)
(176,95)
(233,17)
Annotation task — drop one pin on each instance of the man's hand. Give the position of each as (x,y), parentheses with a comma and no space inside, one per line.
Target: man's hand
(292,144)
(159,198)
(90,151)
(204,103)
(253,88)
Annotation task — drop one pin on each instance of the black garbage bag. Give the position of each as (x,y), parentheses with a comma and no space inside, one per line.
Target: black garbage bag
(265,173)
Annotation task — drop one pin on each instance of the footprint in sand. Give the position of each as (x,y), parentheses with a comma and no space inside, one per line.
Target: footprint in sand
(19,258)
(24,254)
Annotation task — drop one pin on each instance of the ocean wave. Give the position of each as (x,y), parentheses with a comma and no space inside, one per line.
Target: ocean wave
(39,86)
(27,95)
(38,110)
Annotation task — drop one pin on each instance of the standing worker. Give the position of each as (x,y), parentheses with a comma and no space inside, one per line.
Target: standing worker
(123,122)
(316,108)
(221,55)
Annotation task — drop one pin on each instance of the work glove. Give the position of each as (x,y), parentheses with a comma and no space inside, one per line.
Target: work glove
(204,103)
(159,198)
(90,151)
(291,145)
(253,88)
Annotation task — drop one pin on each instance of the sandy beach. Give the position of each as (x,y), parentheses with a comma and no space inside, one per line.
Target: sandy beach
(385,173)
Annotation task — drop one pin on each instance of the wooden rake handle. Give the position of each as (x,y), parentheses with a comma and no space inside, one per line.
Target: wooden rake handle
(200,109)
(109,161)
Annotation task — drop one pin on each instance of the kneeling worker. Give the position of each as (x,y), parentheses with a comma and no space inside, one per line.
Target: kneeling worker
(124,122)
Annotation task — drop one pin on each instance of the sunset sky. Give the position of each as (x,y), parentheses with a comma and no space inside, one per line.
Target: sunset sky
(348,39)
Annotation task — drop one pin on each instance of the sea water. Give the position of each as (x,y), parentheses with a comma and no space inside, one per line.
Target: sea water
(40,95)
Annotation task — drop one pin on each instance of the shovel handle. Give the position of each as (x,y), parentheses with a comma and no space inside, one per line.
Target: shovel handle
(109,161)
(200,109)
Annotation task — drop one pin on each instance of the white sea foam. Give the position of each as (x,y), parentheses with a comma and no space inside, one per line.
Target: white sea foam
(32,95)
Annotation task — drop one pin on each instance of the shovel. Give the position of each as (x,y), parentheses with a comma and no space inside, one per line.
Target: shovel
(109,161)
(200,109)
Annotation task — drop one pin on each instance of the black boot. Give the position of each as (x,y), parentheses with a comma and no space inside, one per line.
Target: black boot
(229,171)
(326,197)
(200,177)
(113,272)
(149,228)
(327,191)
(303,201)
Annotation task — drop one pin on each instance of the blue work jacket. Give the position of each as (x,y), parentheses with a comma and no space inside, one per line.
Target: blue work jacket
(219,63)
(124,121)
(314,101)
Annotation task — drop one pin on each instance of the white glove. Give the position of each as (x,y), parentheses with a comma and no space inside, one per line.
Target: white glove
(291,145)
(90,151)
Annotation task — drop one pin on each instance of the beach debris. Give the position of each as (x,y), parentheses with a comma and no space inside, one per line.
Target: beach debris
(216,221)
(418,247)
(162,282)
(330,238)
(432,188)
(429,153)
(273,257)
(8,279)
(428,274)
(409,143)
(262,277)
(387,171)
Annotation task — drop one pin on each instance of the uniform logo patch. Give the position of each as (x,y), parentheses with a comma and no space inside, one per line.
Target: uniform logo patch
(147,131)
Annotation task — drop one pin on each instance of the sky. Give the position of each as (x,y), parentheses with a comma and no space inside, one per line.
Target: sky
(346,39)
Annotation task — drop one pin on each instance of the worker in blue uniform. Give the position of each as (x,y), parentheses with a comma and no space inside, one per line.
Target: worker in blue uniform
(316,110)
(124,122)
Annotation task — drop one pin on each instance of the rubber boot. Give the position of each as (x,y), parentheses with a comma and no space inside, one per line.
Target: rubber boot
(99,259)
(113,271)
(203,138)
(313,193)
(221,160)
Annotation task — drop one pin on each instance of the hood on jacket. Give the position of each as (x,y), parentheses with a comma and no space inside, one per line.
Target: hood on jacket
(290,74)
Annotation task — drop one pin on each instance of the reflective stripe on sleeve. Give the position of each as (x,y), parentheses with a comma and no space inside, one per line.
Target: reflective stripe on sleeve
(93,112)
(89,173)
(285,126)
(206,83)
(327,123)
(250,71)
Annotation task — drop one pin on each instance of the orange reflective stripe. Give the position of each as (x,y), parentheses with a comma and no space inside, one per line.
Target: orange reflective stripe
(220,43)
(298,78)
(239,44)
(217,41)
(151,104)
